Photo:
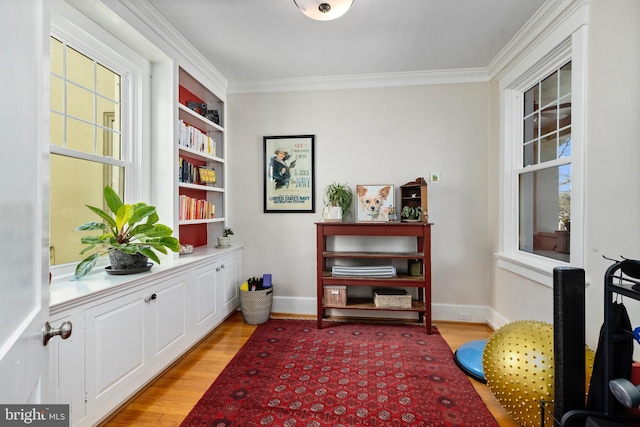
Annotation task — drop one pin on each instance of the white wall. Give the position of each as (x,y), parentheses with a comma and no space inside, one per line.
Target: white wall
(612,173)
(368,136)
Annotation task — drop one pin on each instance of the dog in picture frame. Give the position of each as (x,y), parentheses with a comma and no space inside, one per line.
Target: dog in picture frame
(374,202)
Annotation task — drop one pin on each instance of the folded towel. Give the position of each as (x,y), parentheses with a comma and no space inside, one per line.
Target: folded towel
(364,271)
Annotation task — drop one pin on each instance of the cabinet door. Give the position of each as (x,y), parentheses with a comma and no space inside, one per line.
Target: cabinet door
(116,358)
(66,367)
(229,285)
(167,306)
(205,302)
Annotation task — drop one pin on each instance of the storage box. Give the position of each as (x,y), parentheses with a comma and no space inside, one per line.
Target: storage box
(335,295)
(391,298)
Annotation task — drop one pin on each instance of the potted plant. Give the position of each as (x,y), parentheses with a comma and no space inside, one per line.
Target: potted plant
(337,201)
(225,240)
(131,235)
(410,213)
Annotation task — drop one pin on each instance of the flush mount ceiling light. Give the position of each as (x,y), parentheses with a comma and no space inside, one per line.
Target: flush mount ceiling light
(323,10)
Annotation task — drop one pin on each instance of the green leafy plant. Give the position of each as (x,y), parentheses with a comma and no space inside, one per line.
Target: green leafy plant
(227,232)
(129,228)
(412,213)
(337,194)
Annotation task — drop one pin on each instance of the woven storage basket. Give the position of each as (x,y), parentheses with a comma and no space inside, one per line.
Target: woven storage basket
(256,305)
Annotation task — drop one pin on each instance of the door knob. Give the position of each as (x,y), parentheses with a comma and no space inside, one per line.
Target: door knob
(48,332)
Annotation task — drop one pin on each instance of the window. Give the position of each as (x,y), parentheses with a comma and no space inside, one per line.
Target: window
(86,144)
(544,175)
(98,131)
(541,184)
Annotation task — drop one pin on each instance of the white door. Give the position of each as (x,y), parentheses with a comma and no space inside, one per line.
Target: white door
(24,168)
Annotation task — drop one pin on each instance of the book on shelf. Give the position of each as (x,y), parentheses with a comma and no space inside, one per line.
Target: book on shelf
(191,208)
(191,137)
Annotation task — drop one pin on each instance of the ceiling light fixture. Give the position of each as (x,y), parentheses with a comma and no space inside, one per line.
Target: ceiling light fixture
(323,10)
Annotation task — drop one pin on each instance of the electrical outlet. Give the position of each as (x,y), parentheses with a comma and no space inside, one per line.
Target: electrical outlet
(464,316)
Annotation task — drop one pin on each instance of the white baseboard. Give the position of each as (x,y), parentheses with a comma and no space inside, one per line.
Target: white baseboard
(442,312)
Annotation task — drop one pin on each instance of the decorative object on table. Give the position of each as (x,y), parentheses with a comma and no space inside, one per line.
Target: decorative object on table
(289,182)
(411,214)
(213,116)
(131,235)
(406,378)
(186,249)
(256,298)
(393,214)
(414,267)
(224,240)
(338,199)
(413,201)
(374,202)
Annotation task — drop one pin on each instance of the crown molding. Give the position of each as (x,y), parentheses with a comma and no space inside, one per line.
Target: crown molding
(553,15)
(358,81)
(144,10)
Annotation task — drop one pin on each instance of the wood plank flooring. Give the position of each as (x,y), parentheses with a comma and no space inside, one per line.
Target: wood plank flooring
(168,400)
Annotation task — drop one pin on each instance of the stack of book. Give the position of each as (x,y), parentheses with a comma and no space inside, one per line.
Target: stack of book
(192,137)
(192,208)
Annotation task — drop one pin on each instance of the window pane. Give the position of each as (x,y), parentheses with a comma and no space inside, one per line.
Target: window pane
(108,144)
(531,103)
(549,90)
(80,69)
(108,83)
(564,144)
(549,119)
(544,212)
(548,148)
(80,103)
(57,94)
(80,136)
(56,56)
(565,79)
(77,182)
(56,130)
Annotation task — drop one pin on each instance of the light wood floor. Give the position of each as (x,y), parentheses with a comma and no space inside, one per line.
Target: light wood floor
(168,400)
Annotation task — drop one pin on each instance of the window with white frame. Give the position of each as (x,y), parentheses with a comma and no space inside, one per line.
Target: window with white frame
(544,173)
(96,129)
(542,118)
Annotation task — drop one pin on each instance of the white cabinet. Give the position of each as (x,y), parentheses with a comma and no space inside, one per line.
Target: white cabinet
(121,341)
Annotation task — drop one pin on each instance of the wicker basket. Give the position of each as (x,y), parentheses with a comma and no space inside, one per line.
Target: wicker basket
(256,305)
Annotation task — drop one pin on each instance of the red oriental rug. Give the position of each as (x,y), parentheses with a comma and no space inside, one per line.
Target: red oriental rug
(290,373)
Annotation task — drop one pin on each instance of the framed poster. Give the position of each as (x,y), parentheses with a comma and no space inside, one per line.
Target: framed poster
(374,202)
(289,184)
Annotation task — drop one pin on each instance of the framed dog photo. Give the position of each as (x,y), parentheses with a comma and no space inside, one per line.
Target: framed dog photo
(289,181)
(374,202)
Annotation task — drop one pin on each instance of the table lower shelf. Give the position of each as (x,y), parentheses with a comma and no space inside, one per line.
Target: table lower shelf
(368,304)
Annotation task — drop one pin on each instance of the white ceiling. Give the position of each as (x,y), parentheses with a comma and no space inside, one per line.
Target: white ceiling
(265,40)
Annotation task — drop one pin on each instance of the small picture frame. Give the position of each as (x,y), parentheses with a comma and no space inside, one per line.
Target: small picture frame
(207,176)
(374,202)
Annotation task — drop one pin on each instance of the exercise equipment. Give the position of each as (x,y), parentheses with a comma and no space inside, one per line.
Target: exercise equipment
(468,357)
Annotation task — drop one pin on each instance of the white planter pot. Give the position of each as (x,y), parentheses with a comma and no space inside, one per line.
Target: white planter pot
(333,213)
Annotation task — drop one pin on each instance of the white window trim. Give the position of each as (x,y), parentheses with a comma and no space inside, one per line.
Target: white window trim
(531,266)
(82,33)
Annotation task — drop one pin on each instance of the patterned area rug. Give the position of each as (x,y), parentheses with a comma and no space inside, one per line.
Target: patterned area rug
(290,373)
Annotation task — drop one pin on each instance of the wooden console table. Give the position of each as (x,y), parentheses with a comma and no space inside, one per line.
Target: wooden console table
(422,234)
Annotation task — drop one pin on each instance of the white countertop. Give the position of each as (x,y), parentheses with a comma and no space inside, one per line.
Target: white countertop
(65,294)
